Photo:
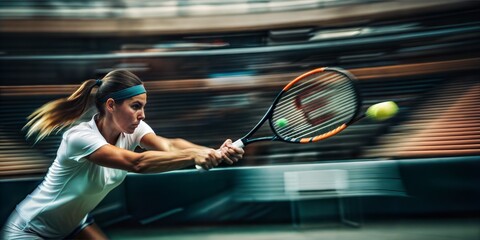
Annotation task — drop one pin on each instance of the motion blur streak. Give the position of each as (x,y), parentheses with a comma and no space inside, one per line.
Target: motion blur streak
(213,67)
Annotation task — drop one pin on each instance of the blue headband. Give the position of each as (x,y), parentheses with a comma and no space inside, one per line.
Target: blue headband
(125,93)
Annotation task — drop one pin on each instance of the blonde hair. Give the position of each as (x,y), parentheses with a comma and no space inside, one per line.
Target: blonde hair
(58,114)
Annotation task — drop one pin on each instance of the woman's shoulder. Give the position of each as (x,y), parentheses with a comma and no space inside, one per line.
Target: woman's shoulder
(82,128)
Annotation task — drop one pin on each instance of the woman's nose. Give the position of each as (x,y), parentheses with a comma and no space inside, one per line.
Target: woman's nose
(141,116)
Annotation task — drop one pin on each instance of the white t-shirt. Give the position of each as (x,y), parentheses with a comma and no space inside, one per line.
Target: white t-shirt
(73,185)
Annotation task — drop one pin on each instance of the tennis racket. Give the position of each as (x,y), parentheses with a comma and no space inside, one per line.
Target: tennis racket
(314,106)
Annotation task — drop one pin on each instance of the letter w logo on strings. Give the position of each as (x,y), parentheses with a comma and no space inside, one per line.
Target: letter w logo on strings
(310,100)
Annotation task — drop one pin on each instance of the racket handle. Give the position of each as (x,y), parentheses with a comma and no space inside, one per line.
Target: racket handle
(199,168)
(238,144)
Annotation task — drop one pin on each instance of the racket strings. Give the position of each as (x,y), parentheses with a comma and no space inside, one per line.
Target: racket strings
(305,129)
(329,125)
(342,112)
(308,129)
(307,83)
(316,105)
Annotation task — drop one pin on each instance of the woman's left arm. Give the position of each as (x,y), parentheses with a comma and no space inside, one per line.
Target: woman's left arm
(153,142)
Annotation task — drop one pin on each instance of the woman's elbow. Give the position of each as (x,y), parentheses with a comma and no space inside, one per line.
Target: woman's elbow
(145,162)
(137,169)
(138,166)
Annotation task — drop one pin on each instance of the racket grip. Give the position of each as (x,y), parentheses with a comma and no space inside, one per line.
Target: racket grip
(238,144)
(199,168)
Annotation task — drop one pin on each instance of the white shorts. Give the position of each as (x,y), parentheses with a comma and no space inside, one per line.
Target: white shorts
(16,228)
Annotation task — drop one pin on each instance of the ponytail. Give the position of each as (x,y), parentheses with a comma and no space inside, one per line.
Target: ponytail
(60,113)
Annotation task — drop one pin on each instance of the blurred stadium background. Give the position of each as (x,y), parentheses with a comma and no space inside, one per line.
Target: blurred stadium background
(212,67)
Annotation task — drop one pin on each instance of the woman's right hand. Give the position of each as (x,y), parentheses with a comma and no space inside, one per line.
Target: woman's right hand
(207,158)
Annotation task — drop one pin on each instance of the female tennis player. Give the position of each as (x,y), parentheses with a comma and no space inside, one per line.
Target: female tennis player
(94,157)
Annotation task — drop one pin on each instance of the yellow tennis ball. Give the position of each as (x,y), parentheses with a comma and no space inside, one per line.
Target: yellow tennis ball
(382,111)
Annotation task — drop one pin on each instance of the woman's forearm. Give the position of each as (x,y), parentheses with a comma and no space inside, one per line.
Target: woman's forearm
(158,143)
(179,144)
(160,161)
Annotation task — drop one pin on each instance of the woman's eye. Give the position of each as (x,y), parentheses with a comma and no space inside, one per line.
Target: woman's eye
(136,106)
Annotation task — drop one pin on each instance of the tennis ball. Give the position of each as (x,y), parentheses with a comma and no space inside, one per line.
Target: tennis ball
(282,122)
(382,111)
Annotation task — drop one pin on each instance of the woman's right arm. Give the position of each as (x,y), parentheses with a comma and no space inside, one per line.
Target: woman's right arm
(154,161)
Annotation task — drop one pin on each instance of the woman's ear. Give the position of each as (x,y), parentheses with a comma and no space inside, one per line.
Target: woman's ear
(110,104)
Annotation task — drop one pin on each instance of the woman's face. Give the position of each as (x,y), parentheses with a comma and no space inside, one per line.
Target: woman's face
(128,115)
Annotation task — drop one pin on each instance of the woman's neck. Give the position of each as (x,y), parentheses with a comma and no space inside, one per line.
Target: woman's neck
(107,129)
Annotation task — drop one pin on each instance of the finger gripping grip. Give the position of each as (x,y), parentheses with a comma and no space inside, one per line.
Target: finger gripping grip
(238,144)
